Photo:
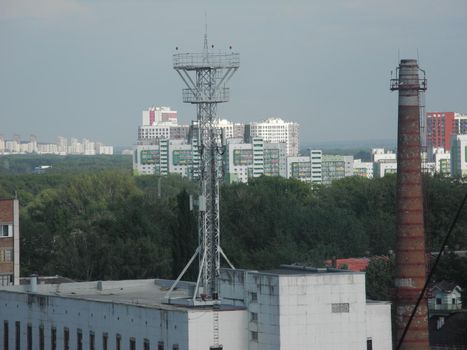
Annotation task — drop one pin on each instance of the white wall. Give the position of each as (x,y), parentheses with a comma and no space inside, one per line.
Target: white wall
(378,325)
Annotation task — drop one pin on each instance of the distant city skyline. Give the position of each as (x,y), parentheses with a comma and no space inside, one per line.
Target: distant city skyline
(76,67)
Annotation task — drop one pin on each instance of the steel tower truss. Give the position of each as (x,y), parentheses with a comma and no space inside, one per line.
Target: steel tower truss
(205,76)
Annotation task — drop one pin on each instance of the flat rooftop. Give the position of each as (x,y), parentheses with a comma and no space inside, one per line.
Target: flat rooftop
(149,293)
(305,270)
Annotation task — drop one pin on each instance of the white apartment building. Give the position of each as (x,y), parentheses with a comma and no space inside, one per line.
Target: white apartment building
(164,157)
(154,115)
(442,160)
(231,130)
(378,154)
(306,168)
(384,167)
(335,167)
(276,130)
(292,307)
(364,169)
(459,155)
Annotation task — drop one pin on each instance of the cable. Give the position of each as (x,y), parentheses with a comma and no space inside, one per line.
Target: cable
(432,270)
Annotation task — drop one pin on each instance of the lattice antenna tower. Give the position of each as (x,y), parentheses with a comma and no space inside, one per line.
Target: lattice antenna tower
(205,75)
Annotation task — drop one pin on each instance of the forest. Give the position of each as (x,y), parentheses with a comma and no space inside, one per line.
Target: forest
(97,223)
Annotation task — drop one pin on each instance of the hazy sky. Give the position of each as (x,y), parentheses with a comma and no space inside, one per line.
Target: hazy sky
(87,68)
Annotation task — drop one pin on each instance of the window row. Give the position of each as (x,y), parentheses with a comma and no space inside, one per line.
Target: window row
(39,343)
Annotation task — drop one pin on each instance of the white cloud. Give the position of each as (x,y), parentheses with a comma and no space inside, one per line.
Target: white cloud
(39,9)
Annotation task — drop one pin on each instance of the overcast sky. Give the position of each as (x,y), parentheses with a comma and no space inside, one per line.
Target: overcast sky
(87,68)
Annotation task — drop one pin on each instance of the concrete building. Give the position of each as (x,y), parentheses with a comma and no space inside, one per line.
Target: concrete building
(164,157)
(289,308)
(364,169)
(441,126)
(275,159)
(379,154)
(160,123)
(9,242)
(154,115)
(306,168)
(384,167)
(442,160)
(335,167)
(459,155)
(230,129)
(245,160)
(275,130)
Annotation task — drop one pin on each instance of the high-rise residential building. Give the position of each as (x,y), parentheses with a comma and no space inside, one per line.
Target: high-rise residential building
(2,144)
(9,242)
(231,130)
(442,125)
(246,160)
(335,167)
(164,157)
(442,160)
(384,167)
(155,115)
(364,169)
(306,168)
(459,155)
(160,123)
(275,130)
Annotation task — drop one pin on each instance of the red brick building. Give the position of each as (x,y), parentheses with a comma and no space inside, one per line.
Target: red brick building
(9,241)
(440,127)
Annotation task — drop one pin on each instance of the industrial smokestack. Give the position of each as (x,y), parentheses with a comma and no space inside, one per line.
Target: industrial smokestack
(410,254)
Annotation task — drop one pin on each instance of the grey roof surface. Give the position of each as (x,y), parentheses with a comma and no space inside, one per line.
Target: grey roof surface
(301,270)
(149,293)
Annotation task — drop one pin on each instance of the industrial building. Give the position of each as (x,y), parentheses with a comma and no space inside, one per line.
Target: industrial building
(290,307)
(9,242)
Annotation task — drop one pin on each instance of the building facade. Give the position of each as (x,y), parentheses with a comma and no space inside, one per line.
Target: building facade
(335,167)
(459,155)
(292,307)
(275,130)
(9,242)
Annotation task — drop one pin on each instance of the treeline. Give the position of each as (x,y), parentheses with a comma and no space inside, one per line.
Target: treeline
(110,225)
(25,163)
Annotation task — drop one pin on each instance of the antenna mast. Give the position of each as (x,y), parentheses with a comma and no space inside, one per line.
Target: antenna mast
(205,75)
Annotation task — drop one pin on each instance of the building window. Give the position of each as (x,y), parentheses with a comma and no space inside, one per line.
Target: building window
(53,338)
(369,344)
(132,344)
(438,301)
(18,335)
(105,341)
(453,301)
(41,338)
(160,345)
(254,336)
(5,335)
(175,347)
(254,297)
(92,341)
(66,339)
(146,344)
(6,230)
(29,336)
(254,317)
(79,339)
(118,342)
(340,307)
